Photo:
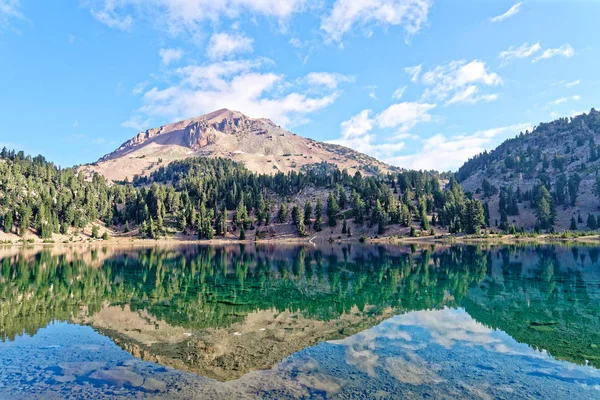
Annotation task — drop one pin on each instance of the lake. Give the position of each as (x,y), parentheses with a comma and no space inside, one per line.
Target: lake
(334,321)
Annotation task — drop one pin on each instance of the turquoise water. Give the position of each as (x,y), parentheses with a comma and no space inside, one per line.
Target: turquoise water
(290,322)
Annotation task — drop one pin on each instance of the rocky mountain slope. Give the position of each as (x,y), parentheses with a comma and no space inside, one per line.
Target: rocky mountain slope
(260,144)
(563,156)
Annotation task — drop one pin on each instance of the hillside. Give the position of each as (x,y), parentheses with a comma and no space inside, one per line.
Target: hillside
(552,169)
(261,145)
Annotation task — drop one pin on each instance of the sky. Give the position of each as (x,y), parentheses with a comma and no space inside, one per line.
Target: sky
(421,84)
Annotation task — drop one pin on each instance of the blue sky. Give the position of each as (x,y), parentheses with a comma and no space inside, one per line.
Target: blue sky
(417,83)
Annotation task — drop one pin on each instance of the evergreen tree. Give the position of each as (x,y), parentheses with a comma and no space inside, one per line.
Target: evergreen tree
(300,227)
(282,214)
(333,210)
(592,223)
(413,231)
(574,182)
(318,216)
(296,215)
(424,220)
(544,209)
(242,233)
(474,217)
(308,211)
(573,224)
(8,222)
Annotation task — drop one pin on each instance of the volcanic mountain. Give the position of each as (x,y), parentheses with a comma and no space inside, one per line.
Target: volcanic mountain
(258,143)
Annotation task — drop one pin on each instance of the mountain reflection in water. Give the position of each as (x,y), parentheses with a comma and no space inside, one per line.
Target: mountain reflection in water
(387,314)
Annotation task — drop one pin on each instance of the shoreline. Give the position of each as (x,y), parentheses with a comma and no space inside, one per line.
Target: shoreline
(129,242)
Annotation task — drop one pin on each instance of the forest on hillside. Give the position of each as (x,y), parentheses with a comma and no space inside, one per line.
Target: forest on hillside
(213,197)
(546,179)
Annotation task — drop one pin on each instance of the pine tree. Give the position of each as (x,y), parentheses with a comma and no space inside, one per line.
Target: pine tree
(8,222)
(296,215)
(94,232)
(242,233)
(574,182)
(318,216)
(282,214)
(474,216)
(424,221)
(208,229)
(573,224)
(25,215)
(344,227)
(308,211)
(544,211)
(300,227)
(333,210)
(592,223)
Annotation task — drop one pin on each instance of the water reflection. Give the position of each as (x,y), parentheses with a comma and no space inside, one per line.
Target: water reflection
(223,312)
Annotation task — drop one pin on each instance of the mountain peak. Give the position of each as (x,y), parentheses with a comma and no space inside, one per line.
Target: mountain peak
(219,115)
(258,143)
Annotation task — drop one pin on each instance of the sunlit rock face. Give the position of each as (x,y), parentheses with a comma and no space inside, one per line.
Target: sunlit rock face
(258,143)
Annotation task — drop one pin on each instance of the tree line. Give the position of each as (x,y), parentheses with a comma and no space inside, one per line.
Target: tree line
(210,197)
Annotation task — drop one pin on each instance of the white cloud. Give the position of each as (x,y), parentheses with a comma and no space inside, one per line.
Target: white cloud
(574,83)
(109,16)
(414,72)
(9,10)
(355,135)
(460,81)
(187,15)
(444,153)
(356,131)
(369,144)
(470,95)
(563,100)
(327,79)
(411,15)
(564,51)
(168,56)
(523,51)
(514,10)
(139,88)
(398,93)
(240,85)
(358,125)
(297,43)
(405,115)
(222,45)
(406,136)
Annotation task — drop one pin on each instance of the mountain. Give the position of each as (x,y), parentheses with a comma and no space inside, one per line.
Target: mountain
(552,169)
(260,144)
